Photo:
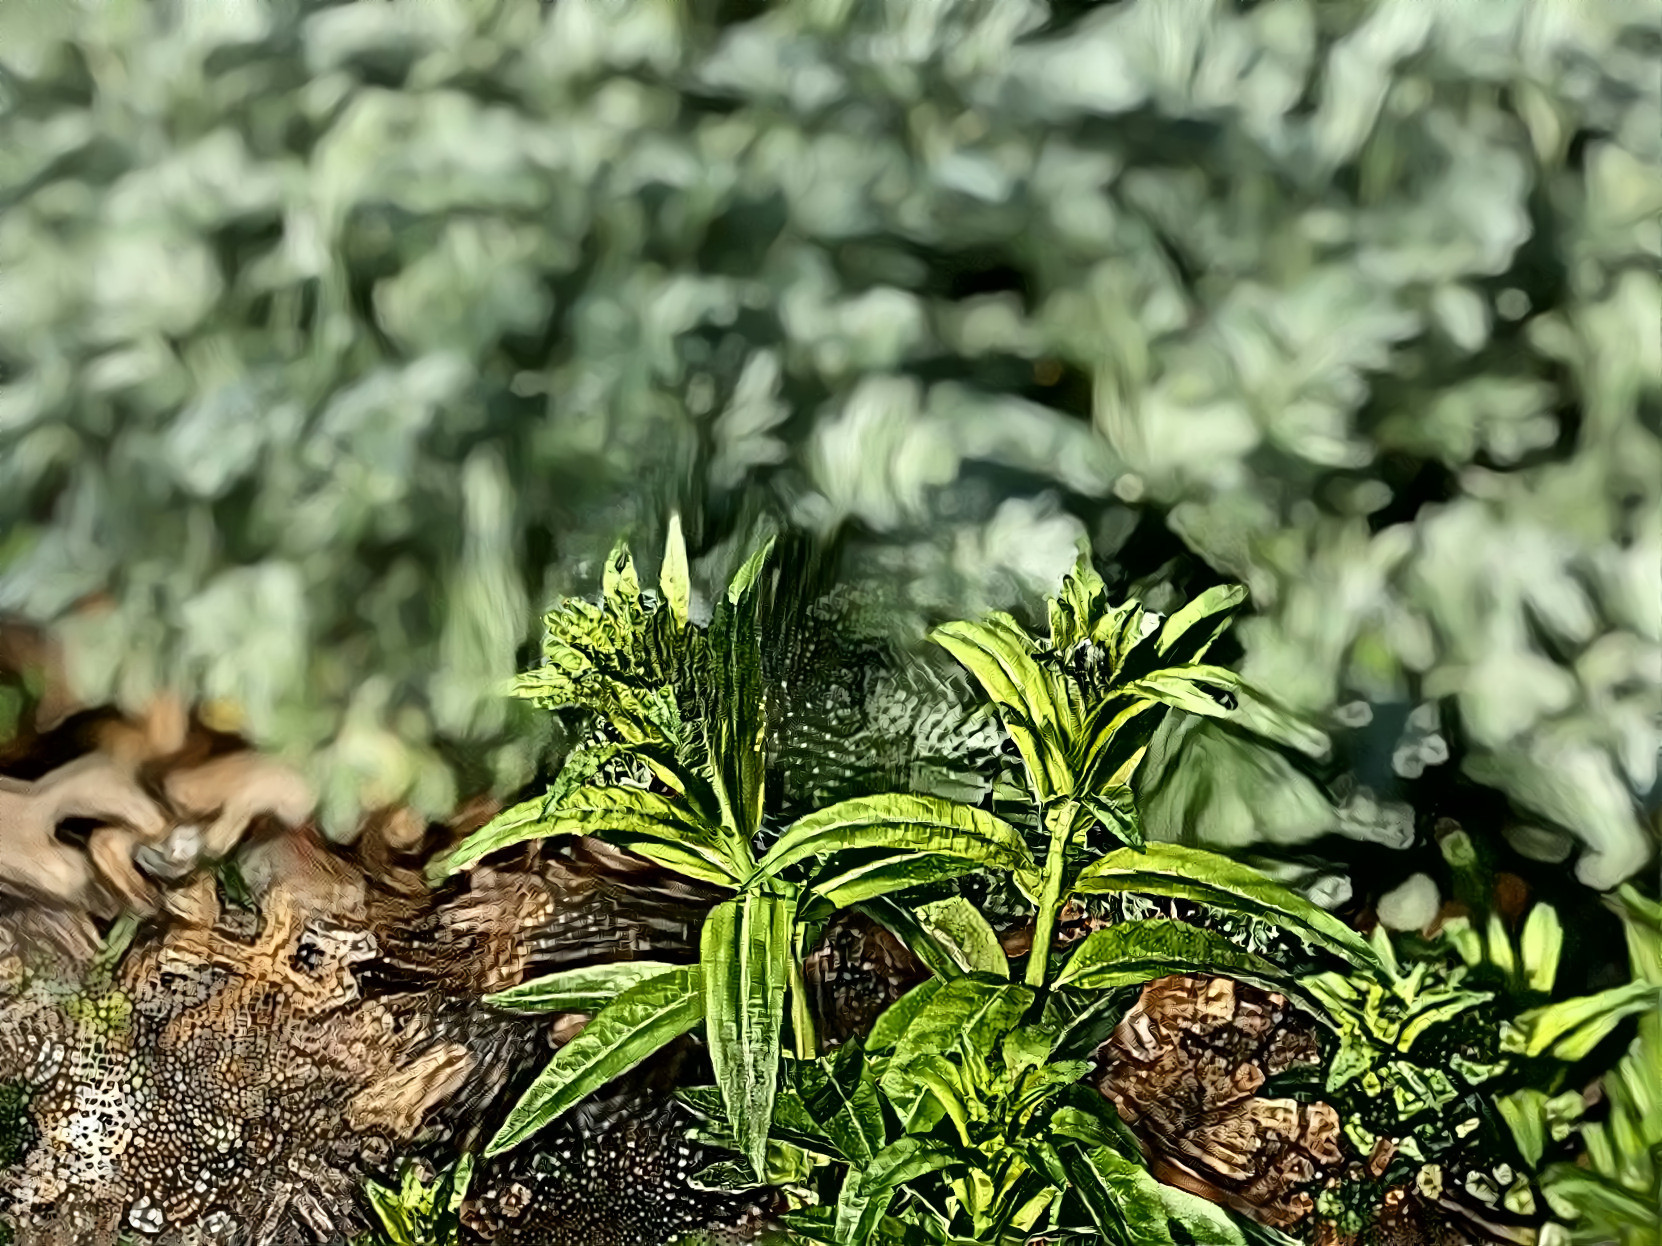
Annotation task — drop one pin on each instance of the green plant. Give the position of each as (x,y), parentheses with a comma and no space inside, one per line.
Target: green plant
(955,1122)
(1616,1195)
(1452,1073)
(420,1212)
(680,704)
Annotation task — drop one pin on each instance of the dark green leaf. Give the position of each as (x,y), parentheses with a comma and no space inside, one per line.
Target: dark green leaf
(840,1095)
(1116,809)
(1123,1200)
(645,822)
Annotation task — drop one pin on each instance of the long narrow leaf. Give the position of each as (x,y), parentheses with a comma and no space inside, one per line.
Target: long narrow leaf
(513,825)
(1210,608)
(1133,952)
(846,881)
(1177,871)
(1573,1027)
(645,822)
(928,825)
(745,955)
(578,990)
(999,654)
(1184,687)
(638,1023)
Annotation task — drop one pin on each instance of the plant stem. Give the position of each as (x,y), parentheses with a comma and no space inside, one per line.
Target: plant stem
(1050,898)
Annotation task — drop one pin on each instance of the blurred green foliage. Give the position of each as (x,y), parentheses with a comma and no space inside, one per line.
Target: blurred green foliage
(336,338)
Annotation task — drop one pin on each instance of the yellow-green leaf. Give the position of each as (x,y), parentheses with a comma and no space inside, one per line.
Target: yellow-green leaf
(745,954)
(639,1022)
(1175,870)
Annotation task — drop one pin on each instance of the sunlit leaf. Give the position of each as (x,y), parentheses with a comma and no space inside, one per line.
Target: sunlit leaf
(745,955)
(1123,1200)
(1174,870)
(639,1022)
(926,825)
(577,990)
(1132,952)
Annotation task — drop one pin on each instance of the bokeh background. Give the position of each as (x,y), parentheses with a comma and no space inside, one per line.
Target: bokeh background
(337,340)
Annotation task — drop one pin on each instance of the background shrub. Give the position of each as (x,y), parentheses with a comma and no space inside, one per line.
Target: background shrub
(337,339)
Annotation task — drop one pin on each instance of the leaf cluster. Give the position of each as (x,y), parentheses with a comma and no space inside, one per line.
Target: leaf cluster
(684,704)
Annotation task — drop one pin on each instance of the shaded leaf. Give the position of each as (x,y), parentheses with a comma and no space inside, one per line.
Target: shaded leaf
(840,1094)
(1123,1200)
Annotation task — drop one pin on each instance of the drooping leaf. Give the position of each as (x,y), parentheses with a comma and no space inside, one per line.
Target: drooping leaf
(513,825)
(639,1022)
(1175,870)
(1189,632)
(902,922)
(848,879)
(745,955)
(1184,688)
(586,989)
(643,821)
(927,825)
